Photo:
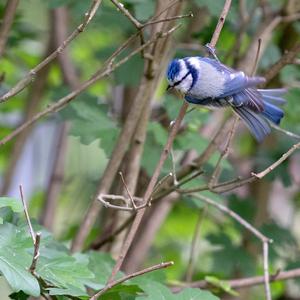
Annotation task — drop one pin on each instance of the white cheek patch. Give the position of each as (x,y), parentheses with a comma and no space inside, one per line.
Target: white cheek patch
(185,84)
(183,71)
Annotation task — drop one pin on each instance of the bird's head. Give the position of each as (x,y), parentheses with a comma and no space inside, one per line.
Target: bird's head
(179,76)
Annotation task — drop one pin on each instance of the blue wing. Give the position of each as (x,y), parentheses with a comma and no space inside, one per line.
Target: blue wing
(251,104)
(239,86)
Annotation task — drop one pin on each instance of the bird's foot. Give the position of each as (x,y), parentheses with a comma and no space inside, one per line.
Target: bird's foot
(212,51)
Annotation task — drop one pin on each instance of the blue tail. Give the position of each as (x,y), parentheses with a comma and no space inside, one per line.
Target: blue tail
(256,123)
(271,99)
(272,113)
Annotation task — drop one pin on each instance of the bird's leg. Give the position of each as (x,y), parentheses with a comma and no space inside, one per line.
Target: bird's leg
(212,51)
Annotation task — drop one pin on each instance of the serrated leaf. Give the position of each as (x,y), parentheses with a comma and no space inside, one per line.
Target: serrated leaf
(15,260)
(64,271)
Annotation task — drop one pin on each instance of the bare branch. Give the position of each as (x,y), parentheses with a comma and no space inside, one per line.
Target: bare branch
(61,103)
(265,241)
(286,132)
(125,207)
(216,173)
(163,157)
(127,14)
(128,192)
(8,18)
(220,24)
(36,237)
(287,58)
(23,83)
(277,163)
(190,15)
(31,231)
(240,283)
(256,57)
(266,270)
(127,277)
(36,252)
(234,215)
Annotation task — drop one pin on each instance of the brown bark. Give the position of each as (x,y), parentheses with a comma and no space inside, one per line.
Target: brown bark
(6,23)
(144,95)
(59,26)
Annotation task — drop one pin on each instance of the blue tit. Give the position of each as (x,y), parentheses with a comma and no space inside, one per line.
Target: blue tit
(208,82)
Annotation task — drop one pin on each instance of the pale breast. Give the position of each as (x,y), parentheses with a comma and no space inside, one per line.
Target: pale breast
(210,81)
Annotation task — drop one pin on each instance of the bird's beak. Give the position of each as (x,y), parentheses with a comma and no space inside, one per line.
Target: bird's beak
(168,87)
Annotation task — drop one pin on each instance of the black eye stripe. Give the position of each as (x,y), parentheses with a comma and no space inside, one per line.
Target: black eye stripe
(179,81)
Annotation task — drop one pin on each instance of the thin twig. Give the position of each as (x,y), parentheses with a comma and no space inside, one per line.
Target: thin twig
(6,22)
(149,191)
(220,24)
(277,163)
(31,231)
(36,237)
(127,190)
(190,15)
(256,57)
(266,270)
(36,252)
(25,81)
(61,103)
(286,132)
(216,173)
(164,155)
(175,181)
(240,283)
(125,207)
(287,58)
(127,277)
(160,182)
(127,14)
(265,241)
(234,215)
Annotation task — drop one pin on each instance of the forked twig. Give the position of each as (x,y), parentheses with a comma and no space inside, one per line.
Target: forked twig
(128,192)
(164,155)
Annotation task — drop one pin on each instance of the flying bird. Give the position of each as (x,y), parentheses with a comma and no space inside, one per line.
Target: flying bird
(206,81)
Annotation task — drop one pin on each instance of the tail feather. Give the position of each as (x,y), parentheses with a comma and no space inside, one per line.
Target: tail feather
(256,123)
(273,92)
(273,96)
(273,113)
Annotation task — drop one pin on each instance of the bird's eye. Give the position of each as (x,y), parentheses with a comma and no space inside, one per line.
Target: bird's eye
(183,78)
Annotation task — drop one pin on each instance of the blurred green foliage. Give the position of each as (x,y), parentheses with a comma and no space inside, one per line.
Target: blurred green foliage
(223,252)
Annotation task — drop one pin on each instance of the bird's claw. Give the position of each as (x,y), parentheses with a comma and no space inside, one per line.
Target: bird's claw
(212,51)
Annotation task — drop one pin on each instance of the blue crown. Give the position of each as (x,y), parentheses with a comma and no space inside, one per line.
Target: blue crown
(173,69)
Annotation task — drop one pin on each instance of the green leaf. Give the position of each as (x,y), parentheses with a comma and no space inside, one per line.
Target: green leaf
(64,271)
(101,264)
(13,203)
(15,259)
(157,291)
(90,122)
(225,286)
